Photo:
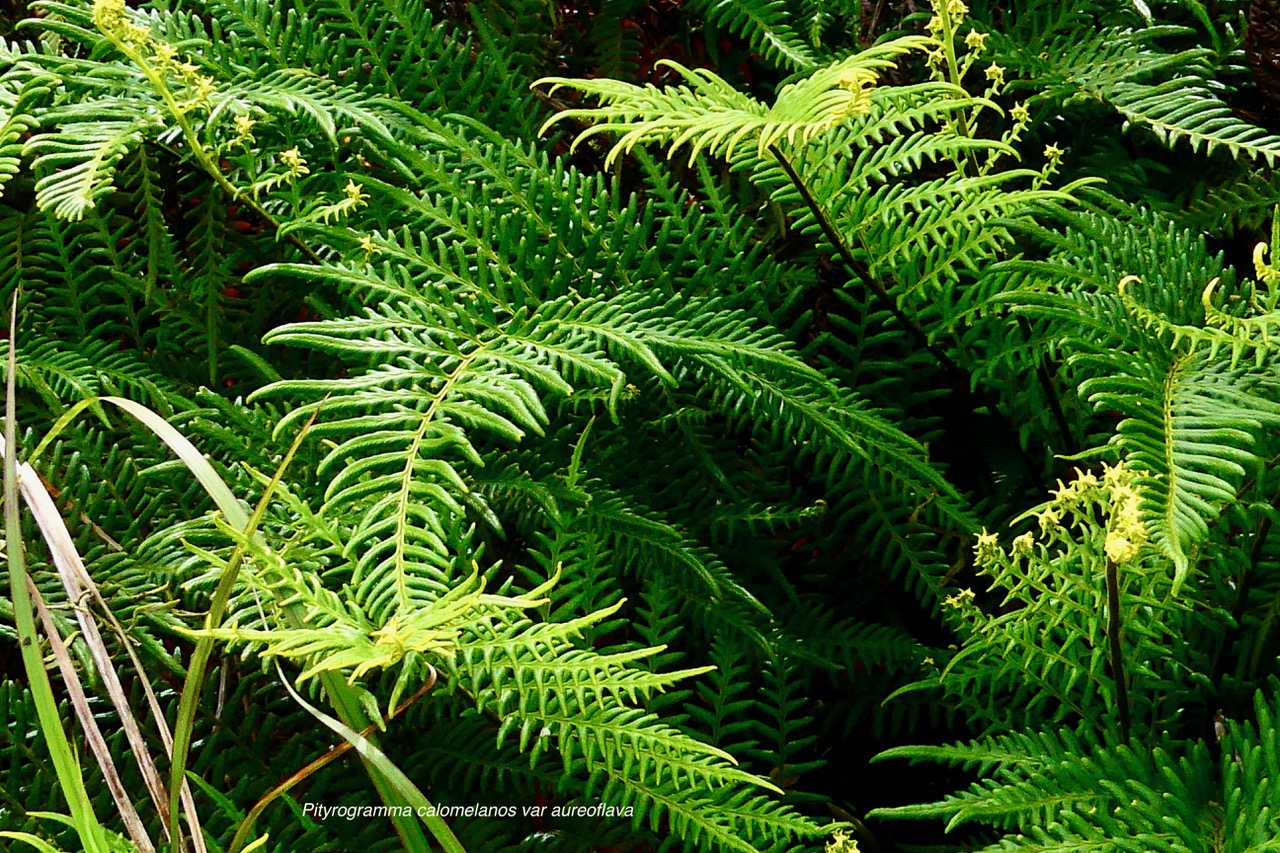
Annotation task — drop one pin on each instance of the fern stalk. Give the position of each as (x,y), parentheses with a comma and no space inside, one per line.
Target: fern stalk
(1116,652)
(958,377)
(948,40)
(1045,374)
(957,374)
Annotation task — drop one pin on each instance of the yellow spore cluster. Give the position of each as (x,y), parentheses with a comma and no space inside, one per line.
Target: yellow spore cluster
(1077,504)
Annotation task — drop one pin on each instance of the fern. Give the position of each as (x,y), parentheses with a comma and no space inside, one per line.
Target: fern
(81,171)
(706,114)
(1183,110)
(640,472)
(765,25)
(1183,424)
(1115,65)
(1058,791)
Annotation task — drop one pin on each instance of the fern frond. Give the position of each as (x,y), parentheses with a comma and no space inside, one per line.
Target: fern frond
(1185,109)
(16,120)
(80,158)
(1063,61)
(1039,790)
(1116,65)
(1194,430)
(707,114)
(766,26)
(1243,202)
(295,91)
(549,694)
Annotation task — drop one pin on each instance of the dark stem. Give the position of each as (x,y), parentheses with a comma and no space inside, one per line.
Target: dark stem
(858,268)
(1113,643)
(958,376)
(1045,375)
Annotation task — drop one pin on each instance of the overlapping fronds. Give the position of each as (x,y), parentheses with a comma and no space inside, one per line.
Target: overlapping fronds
(1069,790)
(637,491)
(1066,791)
(1171,93)
(1192,409)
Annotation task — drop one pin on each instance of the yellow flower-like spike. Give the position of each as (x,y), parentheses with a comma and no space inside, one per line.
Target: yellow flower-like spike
(1050,519)
(987,547)
(1120,549)
(353,193)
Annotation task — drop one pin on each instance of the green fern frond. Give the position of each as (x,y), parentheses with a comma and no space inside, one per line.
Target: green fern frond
(1238,335)
(1195,434)
(1243,202)
(767,27)
(848,438)
(294,91)
(1052,798)
(79,159)
(656,548)
(1068,61)
(16,120)
(1192,414)
(1185,109)
(1068,790)
(707,114)
(577,701)
(1116,65)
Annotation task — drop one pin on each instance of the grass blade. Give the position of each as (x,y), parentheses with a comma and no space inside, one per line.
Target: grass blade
(402,784)
(92,834)
(89,725)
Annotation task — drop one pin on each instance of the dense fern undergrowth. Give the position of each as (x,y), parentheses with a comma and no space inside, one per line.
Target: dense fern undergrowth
(673,426)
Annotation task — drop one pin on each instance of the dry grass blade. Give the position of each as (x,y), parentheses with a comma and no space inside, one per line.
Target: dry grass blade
(78,584)
(80,587)
(92,734)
